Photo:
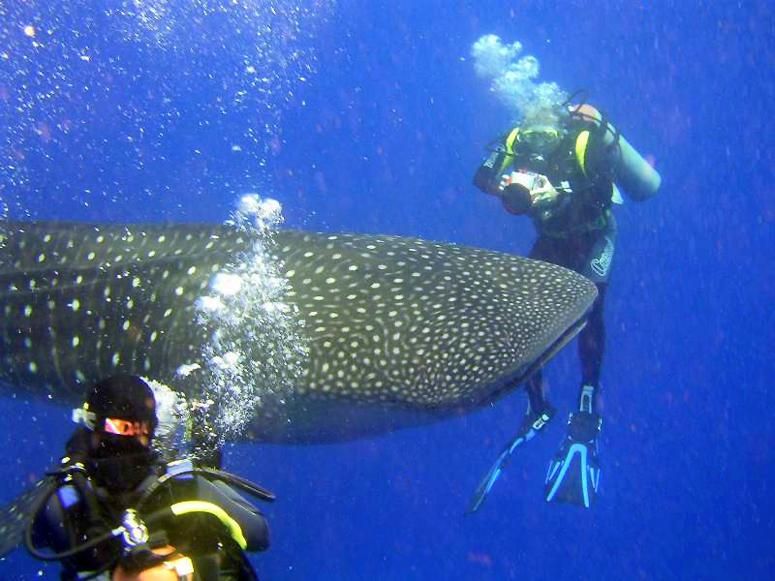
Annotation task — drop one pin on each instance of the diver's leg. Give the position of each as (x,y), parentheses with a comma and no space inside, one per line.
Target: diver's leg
(574,472)
(591,347)
(597,254)
(536,399)
(537,415)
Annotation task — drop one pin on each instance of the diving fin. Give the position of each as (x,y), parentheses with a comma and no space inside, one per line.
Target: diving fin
(574,472)
(531,425)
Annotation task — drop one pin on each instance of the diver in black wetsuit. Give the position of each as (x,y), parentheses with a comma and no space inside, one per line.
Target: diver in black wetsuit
(114,511)
(562,168)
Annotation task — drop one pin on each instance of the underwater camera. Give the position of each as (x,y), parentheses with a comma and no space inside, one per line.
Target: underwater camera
(517,189)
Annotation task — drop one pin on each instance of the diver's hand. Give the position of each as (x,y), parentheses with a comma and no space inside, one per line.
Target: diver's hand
(505,182)
(543,194)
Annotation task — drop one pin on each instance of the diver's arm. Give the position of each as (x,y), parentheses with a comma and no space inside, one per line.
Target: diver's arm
(64,524)
(51,527)
(488,176)
(633,173)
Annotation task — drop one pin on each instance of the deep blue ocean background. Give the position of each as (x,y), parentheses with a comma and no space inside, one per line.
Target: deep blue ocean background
(372,120)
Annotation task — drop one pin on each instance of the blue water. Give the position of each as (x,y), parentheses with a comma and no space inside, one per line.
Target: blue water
(383,134)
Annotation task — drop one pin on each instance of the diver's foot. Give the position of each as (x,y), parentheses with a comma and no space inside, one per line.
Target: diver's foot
(532,424)
(574,472)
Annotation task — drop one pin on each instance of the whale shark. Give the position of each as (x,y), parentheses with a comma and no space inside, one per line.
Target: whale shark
(397,331)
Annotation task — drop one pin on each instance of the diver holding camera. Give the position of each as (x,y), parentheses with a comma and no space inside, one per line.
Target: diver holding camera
(560,166)
(524,191)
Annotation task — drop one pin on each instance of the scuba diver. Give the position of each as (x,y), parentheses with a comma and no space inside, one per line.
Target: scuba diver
(562,167)
(113,510)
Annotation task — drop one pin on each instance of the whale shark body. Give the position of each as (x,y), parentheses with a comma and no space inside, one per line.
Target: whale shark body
(397,331)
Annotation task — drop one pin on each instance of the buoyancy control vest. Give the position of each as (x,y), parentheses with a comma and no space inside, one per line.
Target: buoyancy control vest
(199,493)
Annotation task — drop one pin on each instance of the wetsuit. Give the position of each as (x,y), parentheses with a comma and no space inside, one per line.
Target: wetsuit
(72,517)
(579,232)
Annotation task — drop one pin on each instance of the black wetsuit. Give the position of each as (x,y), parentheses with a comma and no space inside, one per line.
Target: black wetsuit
(69,519)
(579,234)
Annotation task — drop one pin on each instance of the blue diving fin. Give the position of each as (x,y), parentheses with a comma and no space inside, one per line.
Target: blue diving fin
(574,472)
(531,425)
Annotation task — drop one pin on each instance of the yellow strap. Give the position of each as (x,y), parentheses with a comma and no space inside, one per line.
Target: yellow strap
(189,506)
(581,151)
(510,141)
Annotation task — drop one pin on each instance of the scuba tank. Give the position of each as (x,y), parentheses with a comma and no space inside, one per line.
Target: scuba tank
(632,172)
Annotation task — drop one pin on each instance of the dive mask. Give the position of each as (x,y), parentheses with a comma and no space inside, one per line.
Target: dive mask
(140,430)
(539,138)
